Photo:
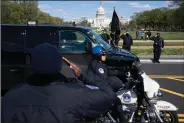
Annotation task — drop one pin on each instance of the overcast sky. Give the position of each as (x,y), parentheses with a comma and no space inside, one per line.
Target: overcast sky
(76,9)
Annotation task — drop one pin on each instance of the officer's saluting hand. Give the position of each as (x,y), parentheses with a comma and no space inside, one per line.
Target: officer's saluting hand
(76,69)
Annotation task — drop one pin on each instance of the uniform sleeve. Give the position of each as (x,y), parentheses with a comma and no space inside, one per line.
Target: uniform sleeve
(85,78)
(97,102)
(112,72)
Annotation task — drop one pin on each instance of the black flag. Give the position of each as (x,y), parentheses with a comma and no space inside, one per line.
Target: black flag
(115,23)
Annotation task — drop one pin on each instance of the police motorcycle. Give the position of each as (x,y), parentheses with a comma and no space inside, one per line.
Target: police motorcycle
(141,102)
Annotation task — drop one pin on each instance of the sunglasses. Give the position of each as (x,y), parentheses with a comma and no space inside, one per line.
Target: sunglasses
(104,54)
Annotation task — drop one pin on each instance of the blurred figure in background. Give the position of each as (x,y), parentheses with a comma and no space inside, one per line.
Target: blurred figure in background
(142,34)
(112,42)
(146,35)
(127,41)
(149,34)
(105,36)
(137,34)
(73,24)
(117,37)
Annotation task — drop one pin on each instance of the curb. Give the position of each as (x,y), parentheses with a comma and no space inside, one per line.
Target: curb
(163,61)
(164,57)
(148,41)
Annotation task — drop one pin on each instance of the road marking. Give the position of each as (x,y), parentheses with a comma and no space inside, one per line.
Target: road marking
(163,61)
(180,115)
(181,120)
(172,92)
(166,76)
(175,79)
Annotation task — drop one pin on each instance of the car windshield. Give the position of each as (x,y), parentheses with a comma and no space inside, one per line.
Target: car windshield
(99,40)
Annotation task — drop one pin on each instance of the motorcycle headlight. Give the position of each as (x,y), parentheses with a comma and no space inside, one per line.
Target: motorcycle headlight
(159,94)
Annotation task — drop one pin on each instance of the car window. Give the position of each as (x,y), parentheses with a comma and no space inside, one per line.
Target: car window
(71,41)
(100,40)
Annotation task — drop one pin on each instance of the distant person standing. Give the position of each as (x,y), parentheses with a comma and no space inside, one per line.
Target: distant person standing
(112,42)
(137,34)
(127,41)
(146,35)
(149,34)
(142,34)
(157,47)
(117,37)
(105,37)
(73,24)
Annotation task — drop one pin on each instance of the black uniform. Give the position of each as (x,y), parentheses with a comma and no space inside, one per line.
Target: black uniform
(56,102)
(112,42)
(105,37)
(157,48)
(98,69)
(127,42)
(117,37)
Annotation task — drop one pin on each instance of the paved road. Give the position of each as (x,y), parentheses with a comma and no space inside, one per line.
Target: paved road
(163,68)
(151,47)
(175,57)
(170,76)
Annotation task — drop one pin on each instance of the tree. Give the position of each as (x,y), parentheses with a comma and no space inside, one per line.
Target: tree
(30,10)
(18,12)
(11,13)
(161,18)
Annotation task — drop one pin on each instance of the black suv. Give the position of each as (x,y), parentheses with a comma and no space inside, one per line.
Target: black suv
(74,42)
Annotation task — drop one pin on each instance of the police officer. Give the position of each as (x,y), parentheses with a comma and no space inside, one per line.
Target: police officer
(73,24)
(127,41)
(157,47)
(105,37)
(47,96)
(117,37)
(97,68)
(112,42)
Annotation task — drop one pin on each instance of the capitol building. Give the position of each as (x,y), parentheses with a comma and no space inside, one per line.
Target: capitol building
(100,21)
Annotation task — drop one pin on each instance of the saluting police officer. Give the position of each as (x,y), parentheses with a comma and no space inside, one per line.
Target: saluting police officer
(157,47)
(97,68)
(117,37)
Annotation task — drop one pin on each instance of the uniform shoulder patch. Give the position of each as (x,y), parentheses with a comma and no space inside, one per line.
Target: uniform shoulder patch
(101,70)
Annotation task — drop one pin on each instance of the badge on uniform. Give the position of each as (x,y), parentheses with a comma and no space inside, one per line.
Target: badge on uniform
(101,70)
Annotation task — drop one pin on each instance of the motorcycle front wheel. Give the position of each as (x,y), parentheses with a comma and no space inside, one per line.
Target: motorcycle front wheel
(169,116)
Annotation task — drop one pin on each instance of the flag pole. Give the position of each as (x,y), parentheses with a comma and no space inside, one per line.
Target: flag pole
(115,31)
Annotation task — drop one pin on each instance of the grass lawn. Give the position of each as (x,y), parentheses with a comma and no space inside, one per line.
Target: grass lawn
(165,35)
(143,52)
(151,43)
